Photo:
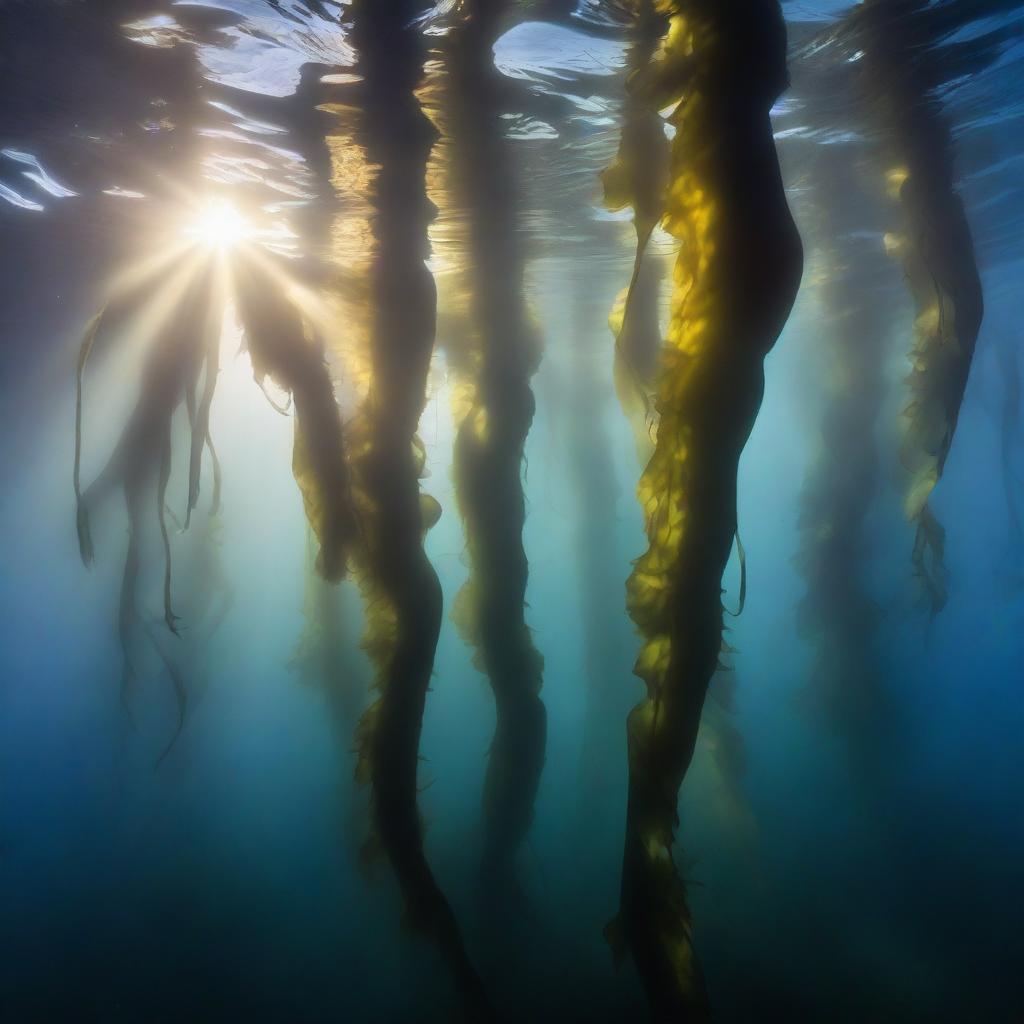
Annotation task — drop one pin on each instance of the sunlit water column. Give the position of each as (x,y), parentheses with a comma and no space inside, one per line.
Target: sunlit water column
(736,276)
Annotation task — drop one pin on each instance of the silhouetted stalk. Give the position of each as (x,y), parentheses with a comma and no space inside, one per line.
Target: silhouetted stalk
(401,587)
(837,612)
(937,254)
(735,280)
(491,433)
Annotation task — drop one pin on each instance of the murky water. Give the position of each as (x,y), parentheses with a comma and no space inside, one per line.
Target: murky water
(317,350)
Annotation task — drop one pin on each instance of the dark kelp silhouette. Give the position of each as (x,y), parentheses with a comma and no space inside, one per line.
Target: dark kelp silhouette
(401,588)
(491,433)
(738,270)
(934,246)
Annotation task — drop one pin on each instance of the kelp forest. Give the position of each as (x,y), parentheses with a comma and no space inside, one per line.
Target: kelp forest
(511,510)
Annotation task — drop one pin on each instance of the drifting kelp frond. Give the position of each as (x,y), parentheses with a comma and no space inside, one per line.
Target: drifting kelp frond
(738,269)
(935,248)
(282,347)
(493,419)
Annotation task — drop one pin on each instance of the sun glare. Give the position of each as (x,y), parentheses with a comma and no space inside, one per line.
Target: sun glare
(219,226)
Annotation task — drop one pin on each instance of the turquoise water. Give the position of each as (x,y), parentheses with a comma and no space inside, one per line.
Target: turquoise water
(841,864)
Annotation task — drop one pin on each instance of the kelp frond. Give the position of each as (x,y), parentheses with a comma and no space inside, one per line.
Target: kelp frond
(739,265)
(638,178)
(937,254)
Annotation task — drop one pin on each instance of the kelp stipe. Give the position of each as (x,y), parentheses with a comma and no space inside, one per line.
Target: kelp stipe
(401,588)
(736,277)
(935,249)
(492,425)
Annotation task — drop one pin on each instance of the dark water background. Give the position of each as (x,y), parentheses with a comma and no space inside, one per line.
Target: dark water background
(873,879)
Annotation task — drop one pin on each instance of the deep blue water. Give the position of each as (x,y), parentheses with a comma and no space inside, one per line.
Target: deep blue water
(852,871)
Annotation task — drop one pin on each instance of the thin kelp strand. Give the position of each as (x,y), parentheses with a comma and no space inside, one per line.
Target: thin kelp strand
(215,463)
(201,422)
(170,618)
(126,608)
(180,688)
(82,517)
(741,554)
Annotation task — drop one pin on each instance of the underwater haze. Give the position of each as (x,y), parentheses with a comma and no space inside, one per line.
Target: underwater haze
(511,510)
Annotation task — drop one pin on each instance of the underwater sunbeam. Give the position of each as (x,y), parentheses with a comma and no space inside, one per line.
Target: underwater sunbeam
(219,226)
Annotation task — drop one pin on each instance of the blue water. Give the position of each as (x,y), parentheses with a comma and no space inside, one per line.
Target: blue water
(227,883)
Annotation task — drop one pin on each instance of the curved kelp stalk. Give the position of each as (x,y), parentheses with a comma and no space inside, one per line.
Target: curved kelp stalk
(493,420)
(937,254)
(638,178)
(402,591)
(182,325)
(735,280)
(837,612)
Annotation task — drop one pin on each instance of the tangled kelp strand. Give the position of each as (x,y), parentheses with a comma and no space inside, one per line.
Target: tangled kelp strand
(141,460)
